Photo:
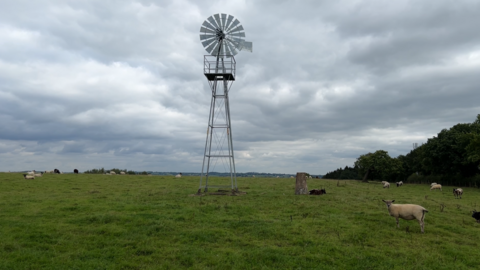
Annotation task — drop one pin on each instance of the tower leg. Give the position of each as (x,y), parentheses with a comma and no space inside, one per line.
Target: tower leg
(219,141)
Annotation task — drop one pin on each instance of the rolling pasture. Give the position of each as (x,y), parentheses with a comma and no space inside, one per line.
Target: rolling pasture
(150,222)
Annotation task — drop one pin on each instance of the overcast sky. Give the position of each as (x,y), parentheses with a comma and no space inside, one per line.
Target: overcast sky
(91,84)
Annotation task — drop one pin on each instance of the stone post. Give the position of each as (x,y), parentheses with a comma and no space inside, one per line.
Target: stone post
(301,185)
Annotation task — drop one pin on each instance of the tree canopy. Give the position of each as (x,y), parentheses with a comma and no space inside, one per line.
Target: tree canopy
(452,156)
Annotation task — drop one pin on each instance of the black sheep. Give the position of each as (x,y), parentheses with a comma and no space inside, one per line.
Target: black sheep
(75,171)
(476,215)
(317,192)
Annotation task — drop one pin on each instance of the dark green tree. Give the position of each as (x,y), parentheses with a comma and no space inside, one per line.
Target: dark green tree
(378,165)
(452,151)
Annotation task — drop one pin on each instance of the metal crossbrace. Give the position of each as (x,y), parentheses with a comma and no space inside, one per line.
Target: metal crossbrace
(219,149)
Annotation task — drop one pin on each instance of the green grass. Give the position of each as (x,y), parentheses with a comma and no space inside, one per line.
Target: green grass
(150,222)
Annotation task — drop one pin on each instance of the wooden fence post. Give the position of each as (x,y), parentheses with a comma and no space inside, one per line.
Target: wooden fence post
(301,185)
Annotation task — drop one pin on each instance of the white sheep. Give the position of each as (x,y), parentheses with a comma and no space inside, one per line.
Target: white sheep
(437,186)
(48,171)
(291,177)
(112,173)
(108,173)
(433,184)
(38,174)
(399,183)
(457,192)
(278,176)
(31,173)
(28,176)
(386,185)
(178,175)
(253,176)
(407,212)
(122,173)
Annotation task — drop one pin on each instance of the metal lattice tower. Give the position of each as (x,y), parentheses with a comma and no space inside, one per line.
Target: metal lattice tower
(222,36)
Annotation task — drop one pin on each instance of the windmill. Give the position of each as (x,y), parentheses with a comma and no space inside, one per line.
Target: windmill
(222,36)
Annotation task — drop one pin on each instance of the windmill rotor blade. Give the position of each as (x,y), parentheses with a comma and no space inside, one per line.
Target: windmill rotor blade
(217,19)
(229,20)
(227,51)
(231,48)
(240,34)
(215,50)
(207,25)
(207,42)
(236,29)
(213,22)
(224,18)
(234,24)
(224,49)
(210,48)
(203,37)
(206,30)
(235,42)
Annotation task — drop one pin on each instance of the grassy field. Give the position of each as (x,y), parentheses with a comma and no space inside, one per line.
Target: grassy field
(150,222)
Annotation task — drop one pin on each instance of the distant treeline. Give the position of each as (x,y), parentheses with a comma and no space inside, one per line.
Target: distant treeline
(450,158)
(345,173)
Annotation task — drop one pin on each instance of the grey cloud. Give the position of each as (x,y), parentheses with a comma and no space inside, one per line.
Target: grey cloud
(90,84)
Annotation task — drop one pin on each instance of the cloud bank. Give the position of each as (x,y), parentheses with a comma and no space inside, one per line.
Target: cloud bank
(120,84)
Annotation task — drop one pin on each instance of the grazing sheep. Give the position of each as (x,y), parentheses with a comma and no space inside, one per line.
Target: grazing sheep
(291,177)
(476,215)
(399,183)
(433,184)
(75,171)
(253,176)
(437,186)
(457,192)
(48,171)
(31,173)
(407,212)
(112,173)
(38,174)
(178,175)
(56,171)
(386,185)
(28,176)
(317,192)
(278,176)
(122,173)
